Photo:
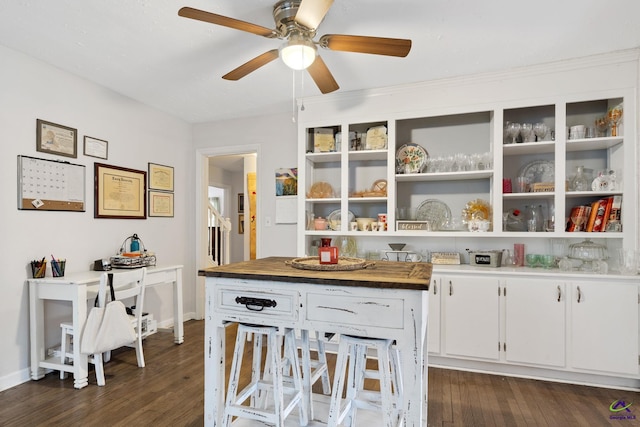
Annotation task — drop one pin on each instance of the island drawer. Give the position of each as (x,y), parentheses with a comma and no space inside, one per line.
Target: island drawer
(247,301)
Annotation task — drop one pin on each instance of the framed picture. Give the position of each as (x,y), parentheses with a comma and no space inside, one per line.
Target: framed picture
(240,202)
(160,177)
(120,192)
(287,182)
(95,147)
(56,139)
(160,204)
(241,224)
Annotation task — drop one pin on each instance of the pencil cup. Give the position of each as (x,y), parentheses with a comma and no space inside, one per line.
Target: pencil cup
(38,269)
(57,268)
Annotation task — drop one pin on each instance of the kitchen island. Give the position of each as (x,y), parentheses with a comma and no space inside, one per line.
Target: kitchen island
(384,300)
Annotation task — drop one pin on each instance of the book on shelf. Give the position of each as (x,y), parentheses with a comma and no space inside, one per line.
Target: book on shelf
(614,214)
(592,215)
(599,223)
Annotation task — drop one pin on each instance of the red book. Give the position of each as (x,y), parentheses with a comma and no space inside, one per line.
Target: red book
(599,222)
(607,212)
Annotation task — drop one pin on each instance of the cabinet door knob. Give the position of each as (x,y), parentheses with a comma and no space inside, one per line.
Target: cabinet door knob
(579,294)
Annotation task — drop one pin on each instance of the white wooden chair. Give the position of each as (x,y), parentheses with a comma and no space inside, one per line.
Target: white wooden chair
(127,285)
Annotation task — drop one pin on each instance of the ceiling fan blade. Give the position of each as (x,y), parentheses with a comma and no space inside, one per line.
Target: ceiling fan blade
(252,65)
(201,15)
(322,76)
(366,44)
(311,12)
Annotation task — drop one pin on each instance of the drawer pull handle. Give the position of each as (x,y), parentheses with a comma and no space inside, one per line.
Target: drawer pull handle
(255,304)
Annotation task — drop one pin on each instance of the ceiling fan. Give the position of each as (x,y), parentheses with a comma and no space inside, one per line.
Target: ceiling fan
(296,22)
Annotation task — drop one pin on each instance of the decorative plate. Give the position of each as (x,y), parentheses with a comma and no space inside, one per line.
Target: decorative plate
(477,209)
(435,211)
(539,171)
(412,158)
(321,190)
(337,216)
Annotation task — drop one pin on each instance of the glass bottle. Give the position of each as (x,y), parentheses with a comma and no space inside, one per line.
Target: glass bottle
(534,218)
(579,181)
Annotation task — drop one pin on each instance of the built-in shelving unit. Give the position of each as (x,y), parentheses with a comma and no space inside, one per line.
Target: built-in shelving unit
(474,132)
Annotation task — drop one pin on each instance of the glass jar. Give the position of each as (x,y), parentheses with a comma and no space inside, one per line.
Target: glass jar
(580,182)
(534,218)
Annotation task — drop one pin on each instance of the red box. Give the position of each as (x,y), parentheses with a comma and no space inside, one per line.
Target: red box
(328,255)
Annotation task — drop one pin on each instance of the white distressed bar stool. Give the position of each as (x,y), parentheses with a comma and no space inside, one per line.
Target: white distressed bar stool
(389,400)
(313,369)
(275,411)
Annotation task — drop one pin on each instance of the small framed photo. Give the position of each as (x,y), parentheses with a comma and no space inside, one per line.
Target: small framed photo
(56,139)
(160,204)
(94,147)
(240,202)
(160,177)
(241,224)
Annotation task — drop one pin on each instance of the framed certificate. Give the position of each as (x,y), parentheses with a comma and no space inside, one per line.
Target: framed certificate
(120,192)
(160,177)
(95,147)
(56,139)
(160,204)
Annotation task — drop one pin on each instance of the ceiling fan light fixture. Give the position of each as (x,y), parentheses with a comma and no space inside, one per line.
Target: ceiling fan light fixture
(298,52)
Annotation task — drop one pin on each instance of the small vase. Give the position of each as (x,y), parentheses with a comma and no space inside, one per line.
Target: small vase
(580,181)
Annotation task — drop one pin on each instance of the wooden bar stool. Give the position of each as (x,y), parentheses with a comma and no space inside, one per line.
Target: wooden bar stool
(286,392)
(313,369)
(389,400)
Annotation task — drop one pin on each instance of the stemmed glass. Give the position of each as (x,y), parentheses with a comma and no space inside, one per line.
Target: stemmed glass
(602,125)
(541,130)
(526,131)
(613,116)
(513,130)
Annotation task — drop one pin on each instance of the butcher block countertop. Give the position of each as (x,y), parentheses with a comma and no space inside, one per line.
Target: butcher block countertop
(382,274)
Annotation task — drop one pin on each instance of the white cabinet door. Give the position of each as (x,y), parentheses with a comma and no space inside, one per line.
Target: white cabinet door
(535,314)
(471,317)
(433,325)
(604,327)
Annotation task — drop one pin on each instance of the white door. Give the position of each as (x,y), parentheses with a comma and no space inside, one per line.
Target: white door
(604,327)
(471,317)
(535,321)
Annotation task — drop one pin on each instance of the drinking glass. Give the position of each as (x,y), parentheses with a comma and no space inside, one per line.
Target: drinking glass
(513,130)
(540,130)
(526,132)
(613,116)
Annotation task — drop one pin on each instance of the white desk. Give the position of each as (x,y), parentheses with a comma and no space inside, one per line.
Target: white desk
(389,300)
(74,287)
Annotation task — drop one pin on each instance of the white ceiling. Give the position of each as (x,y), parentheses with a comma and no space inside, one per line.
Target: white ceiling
(143,49)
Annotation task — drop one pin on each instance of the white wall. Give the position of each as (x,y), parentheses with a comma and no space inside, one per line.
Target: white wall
(136,135)
(275,135)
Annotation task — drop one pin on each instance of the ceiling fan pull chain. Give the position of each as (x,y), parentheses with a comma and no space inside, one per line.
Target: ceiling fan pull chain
(301,91)
(293,96)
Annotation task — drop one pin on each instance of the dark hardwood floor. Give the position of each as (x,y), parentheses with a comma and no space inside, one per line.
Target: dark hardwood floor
(169,391)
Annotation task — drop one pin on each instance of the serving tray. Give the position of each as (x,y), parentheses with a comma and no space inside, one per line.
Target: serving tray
(344,264)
